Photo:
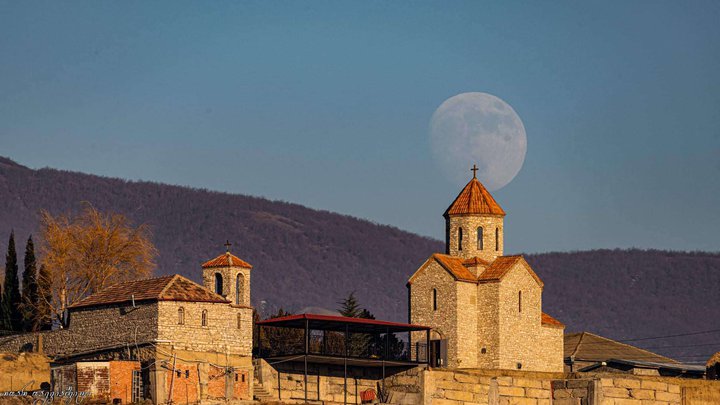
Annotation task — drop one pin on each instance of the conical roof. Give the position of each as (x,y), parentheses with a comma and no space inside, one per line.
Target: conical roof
(474,199)
(226,259)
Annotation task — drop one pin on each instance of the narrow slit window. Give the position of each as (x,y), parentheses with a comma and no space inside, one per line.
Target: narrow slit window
(181,316)
(480,238)
(460,238)
(204,318)
(434,299)
(218,284)
(497,239)
(519,301)
(239,321)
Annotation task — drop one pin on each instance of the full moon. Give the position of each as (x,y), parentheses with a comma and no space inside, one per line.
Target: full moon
(478,128)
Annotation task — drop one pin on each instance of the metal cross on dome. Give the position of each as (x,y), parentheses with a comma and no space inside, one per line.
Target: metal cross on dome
(474,170)
(227,245)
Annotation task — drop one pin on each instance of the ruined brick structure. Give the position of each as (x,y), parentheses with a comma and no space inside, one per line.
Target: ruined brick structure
(485,308)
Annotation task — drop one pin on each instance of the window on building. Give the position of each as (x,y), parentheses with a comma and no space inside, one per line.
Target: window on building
(480,238)
(519,301)
(497,239)
(218,284)
(239,321)
(204,318)
(239,287)
(434,299)
(460,238)
(181,316)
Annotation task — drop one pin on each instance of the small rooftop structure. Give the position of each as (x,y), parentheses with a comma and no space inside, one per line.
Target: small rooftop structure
(474,199)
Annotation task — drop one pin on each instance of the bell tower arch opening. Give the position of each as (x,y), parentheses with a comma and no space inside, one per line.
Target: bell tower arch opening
(229,276)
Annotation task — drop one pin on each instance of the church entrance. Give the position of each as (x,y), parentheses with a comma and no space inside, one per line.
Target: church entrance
(438,353)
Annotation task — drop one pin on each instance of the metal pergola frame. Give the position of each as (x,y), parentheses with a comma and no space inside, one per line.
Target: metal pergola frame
(346,325)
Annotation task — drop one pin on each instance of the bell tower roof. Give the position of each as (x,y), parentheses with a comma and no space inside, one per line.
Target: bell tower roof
(226,259)
(474,199)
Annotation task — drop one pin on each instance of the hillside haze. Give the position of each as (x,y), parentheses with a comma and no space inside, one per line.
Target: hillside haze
(309,258)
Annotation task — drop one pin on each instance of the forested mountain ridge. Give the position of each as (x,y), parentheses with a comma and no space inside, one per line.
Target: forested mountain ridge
(304,257)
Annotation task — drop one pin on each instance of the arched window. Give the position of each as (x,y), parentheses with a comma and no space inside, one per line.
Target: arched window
(239,288)
(460,236)
(497,238)
(218,284)
(239,321)
(434,299)
(181,316)
(204,320)
(519,301)
(480,238)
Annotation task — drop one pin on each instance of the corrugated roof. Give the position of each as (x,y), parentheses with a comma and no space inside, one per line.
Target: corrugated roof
(591,347)
(474,199)
(226,259)
(166,288)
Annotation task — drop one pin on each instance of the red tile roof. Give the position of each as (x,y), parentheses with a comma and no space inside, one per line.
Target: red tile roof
(455,266)
(166,288)
(226,259)
(474,199)
(495,271)
(502,265)
(550,321)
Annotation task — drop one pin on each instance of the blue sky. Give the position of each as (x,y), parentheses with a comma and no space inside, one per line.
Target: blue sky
(327,104)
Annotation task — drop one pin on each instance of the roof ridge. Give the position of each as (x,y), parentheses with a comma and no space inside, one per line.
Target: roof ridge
(168,284)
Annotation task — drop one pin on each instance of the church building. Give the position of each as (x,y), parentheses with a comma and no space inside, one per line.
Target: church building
(485,308)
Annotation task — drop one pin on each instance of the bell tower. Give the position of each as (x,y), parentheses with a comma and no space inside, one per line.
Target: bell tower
(229,276)
(474,223)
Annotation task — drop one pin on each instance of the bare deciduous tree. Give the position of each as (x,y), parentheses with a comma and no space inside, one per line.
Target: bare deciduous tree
(91,251)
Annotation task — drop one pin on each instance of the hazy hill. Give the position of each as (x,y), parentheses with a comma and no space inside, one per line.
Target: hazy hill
(305,257)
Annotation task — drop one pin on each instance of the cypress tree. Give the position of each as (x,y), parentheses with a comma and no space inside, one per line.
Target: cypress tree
(29,288)
(11,292)
(43,315)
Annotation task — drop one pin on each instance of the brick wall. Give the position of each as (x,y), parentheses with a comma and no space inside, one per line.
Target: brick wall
(121,378)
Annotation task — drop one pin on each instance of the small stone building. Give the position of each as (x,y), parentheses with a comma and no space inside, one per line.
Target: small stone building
(485,308)
(176,340)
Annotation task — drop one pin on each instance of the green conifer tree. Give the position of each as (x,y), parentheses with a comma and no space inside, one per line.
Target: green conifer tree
(29,289)
(11,298)
(350,306)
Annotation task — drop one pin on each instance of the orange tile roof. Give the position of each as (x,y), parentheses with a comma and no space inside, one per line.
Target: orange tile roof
(455,266)
(226,259)
(502,265)
(166,288)
(474,199)
(495,271)
(550,321)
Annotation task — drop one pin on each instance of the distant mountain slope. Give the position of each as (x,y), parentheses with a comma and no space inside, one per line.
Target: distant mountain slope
(301,257)
(305,257)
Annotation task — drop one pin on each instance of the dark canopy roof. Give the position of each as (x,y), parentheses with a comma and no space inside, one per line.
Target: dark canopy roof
(339,324)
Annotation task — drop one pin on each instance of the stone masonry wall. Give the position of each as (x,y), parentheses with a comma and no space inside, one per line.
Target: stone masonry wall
(488,326)
(224,332)
(467,325)
(326,383)
(524,343)
(505,387)
(470,225)
(444,319)
(113,326)
(229,278)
